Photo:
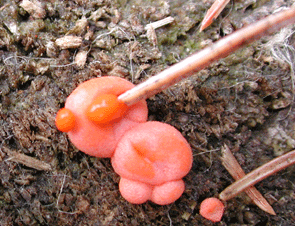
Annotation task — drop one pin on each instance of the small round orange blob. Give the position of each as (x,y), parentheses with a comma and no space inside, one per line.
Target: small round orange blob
(106,108)
(65,120)
(212,209)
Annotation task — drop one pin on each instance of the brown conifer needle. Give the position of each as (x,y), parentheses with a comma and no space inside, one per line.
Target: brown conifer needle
(213,13)
(258,175)
(236,171)
(205,57)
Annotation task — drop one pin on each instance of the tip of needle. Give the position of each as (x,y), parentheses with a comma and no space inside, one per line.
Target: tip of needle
(213,13)
(205,23)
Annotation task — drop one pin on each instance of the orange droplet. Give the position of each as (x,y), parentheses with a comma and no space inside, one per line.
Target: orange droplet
(65,120)
(106,108)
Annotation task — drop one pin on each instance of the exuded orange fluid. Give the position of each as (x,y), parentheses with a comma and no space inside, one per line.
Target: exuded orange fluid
(106,108)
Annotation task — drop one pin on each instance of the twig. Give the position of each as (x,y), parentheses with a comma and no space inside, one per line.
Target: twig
(27,161)
(257,175)
(236,171)
(160,23)
(151,27)
(200,60)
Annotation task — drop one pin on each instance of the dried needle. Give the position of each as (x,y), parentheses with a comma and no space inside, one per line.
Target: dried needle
(213,13)
(203,58)
(257,175)
(236,171)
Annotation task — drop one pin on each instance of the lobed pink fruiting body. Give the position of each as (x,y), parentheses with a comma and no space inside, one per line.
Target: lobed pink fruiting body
(150,157)
(155,154)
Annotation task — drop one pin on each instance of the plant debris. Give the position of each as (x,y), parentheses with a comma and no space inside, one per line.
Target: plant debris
(28,161)
(235,170)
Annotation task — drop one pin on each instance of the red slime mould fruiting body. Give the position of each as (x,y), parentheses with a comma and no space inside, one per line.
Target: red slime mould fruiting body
(150,157)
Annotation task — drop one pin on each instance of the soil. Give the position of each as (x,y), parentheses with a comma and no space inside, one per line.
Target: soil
(245,100)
